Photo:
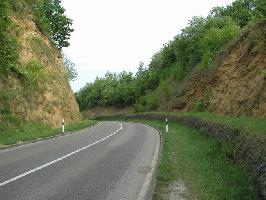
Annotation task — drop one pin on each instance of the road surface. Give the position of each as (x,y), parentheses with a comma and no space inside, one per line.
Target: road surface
(112,161)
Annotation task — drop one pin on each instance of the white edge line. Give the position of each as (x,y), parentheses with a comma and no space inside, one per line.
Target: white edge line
(59,159)
(146,184)
(45,139)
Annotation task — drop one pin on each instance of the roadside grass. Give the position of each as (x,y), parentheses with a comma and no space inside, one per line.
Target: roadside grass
(32,131)
(201,163)
(252,124)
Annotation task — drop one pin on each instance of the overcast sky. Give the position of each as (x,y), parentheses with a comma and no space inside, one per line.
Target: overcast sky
(116,35)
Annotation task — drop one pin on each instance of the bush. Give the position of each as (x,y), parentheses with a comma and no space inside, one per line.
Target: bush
(199,106)
(264,74)
(8,50)
(5,98)
(31,73)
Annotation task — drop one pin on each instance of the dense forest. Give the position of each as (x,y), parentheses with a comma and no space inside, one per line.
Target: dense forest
(193,50)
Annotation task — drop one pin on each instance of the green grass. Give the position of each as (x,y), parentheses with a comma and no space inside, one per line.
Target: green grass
(202,164)
(256,125)
(32,131)
(41,49)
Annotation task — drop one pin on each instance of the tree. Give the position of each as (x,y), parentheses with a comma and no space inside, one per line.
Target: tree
(60,24)
(70,68)
(242,11)
(218,32)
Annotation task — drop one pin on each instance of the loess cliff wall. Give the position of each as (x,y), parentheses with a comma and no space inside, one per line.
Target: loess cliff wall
(46,96)
(236,84)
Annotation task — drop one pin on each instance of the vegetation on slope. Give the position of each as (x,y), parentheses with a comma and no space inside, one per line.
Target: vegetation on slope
(50,19)
(22,132)
(192,51)
(250,124)
(8,50)
(26,60)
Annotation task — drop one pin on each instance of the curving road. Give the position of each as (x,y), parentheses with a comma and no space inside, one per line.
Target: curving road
(112,161)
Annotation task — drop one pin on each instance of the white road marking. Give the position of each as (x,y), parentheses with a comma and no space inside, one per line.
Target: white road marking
(147,182)
(58,159)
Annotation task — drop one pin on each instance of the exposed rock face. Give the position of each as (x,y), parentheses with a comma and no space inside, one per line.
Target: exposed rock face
(241,84)
(236,85)
(51,98)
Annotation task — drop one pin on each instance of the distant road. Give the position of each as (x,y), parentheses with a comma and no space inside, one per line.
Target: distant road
(112,160)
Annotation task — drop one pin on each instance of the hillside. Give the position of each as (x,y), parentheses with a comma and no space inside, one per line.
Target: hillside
(235,85)
(34,85)
(215,64)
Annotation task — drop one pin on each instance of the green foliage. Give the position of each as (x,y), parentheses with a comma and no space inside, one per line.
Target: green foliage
(112,90)
(199,162)
(264,74)
(146,80)
(8,55)
(19,7)
(42,50)
(9,122)
(36,7)
(199,106)
(218,32)
(4,19)
(31,73)
(5,98)
(242,11)
(70,68)
(8,50)
(49,17)
(59,23)
(15,130)
(147,103)
(191,51)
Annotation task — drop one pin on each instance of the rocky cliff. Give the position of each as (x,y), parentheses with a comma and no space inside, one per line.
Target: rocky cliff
(45,94)
(236,84)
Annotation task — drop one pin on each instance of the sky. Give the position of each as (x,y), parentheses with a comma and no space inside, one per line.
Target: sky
(116,35)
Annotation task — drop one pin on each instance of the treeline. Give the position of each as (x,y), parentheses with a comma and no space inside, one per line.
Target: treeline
(115,89)
(193,49)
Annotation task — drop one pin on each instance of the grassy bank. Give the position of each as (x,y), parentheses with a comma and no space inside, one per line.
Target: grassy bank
(251,124)
(202,164)
(32,131)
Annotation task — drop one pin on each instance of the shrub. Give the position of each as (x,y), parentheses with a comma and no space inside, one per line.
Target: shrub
(199,106)
(31,73)
(8,50)
(264,74)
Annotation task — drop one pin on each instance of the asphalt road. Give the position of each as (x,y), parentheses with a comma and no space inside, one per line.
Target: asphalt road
(112,160)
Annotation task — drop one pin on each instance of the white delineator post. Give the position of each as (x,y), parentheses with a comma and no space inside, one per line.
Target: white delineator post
(166,125)
(63,125)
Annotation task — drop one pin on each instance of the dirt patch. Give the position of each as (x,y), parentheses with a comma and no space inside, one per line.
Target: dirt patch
(3,146)
(177,191)
(106,111)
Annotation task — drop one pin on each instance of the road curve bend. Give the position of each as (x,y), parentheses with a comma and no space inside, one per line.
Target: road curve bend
(110,161)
